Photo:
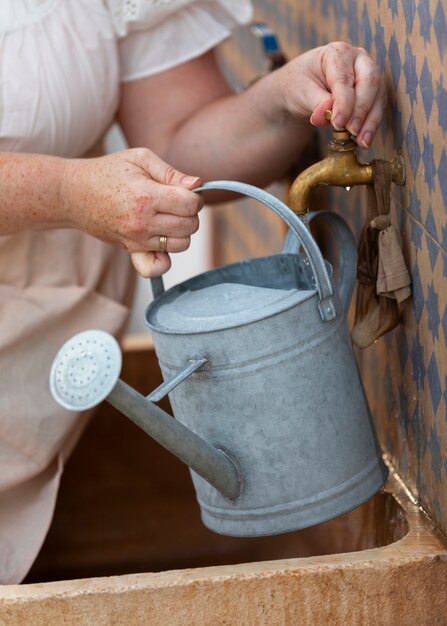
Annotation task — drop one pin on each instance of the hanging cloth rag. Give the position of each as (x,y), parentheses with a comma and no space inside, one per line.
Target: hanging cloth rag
(383,280)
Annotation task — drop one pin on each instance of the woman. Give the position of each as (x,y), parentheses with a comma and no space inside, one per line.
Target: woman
(69,67)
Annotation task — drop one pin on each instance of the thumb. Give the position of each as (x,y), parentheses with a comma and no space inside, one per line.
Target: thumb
(165,174)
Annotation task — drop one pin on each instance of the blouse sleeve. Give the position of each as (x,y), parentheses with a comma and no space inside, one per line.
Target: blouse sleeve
(155,35)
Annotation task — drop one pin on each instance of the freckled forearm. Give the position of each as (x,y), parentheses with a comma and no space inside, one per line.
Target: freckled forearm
(29,192)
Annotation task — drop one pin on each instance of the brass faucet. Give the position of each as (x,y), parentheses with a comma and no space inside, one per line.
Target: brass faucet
(341,168)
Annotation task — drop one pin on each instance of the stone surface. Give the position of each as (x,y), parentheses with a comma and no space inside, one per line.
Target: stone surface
(403,583)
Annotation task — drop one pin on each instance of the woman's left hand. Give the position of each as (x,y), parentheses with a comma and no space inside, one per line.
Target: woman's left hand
(338,77)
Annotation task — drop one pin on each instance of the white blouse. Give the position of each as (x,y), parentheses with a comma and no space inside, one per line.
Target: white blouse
(62,61)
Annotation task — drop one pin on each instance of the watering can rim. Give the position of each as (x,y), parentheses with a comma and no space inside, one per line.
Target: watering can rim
(234,320)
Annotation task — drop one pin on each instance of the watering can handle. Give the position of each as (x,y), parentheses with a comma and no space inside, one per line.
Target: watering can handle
(326,304)
(347,252)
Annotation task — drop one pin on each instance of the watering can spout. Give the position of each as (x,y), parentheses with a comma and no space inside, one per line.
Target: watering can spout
(85,372)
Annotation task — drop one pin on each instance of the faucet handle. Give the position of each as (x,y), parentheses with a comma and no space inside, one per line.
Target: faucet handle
(328,117)
(341,137)
(342,142)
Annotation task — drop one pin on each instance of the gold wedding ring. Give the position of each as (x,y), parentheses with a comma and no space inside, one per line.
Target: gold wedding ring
(163,243)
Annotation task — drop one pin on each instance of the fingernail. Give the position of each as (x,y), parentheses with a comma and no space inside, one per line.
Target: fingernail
(190,180)
(354,126)
(339,122)
(366,139)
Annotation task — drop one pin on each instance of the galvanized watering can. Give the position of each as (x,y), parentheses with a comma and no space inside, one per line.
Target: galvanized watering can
(270,412)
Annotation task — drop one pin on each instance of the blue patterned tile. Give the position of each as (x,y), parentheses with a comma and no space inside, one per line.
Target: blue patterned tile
(422,436)
(442,176)
(392,4)
(416,234)
(412,82)
(430,224)
(434,383)
(434,319)
(379,41)
(384,130)
(441,100)
(353,23)
(290,25)
(307,34)
(425,21)
(414,423)
(433,252)
(417,68)
(339,12)
(366,29)
(426,86)
(395,60)
(313,38)
(418,294)
(409,7)
(435,453)
(415,205)
(429,163)
(415,63)
(403,408)
(414,150)
(302,32)
(437,507)
(417,363)
(440,28)
(444,328)
(400,219)
(325,7)
(396,121)
(402,348)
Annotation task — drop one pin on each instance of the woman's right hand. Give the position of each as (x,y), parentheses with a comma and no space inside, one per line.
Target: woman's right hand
(132,198)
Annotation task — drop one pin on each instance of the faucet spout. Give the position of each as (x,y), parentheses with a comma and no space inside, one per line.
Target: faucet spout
(341,169)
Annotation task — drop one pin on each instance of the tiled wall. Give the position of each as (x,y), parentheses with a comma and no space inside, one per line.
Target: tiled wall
(406,372)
